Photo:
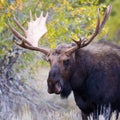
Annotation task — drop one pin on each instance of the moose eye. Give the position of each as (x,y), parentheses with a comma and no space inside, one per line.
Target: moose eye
(66,62)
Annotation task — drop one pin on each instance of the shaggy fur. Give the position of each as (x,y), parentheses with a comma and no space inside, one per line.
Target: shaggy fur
(92,73)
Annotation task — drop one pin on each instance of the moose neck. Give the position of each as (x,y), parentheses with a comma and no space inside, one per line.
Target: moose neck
(81,68)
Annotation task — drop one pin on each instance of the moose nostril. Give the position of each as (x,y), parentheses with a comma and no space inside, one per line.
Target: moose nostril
(50,91)
(57,88)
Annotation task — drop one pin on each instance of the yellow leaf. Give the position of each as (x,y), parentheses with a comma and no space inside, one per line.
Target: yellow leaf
(1,6)
(2,1)
(20,7)
(75,37)
(65,2)
(9,14)
(11,7)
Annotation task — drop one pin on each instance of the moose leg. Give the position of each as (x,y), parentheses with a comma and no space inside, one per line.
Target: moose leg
(117,115)
(84,116)
(95,115)
(84,106)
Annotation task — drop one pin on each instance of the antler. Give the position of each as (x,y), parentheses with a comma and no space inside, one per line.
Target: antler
(84,41)
(36,29)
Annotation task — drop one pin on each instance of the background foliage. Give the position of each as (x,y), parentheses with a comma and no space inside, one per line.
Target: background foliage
(67,18)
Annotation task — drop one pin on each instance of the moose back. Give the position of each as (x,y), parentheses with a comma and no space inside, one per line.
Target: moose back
(90,70)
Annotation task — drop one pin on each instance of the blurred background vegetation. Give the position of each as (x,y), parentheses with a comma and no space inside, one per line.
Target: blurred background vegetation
(67,19)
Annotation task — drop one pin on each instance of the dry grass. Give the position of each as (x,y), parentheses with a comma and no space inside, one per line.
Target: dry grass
(65,109)
(48,107)
(60,109)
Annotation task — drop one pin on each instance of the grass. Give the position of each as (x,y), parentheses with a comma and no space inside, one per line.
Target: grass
(51,107)
(48,107)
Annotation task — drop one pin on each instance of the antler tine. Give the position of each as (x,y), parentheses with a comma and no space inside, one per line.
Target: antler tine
(41,15)
(18,35)
(46,16)
(35,16)
(31,18)
(99,26)
(106,15)
(84,41)
(20,26)
(77,42)
(97,30)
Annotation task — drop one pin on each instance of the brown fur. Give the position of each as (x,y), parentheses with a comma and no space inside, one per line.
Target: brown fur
(92,73)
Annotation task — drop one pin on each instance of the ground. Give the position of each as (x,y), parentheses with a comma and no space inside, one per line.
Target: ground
(50,106)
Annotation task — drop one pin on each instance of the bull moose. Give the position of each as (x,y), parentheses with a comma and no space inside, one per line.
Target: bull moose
(90,70)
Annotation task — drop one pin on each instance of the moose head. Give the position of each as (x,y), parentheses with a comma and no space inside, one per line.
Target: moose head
(61,59)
